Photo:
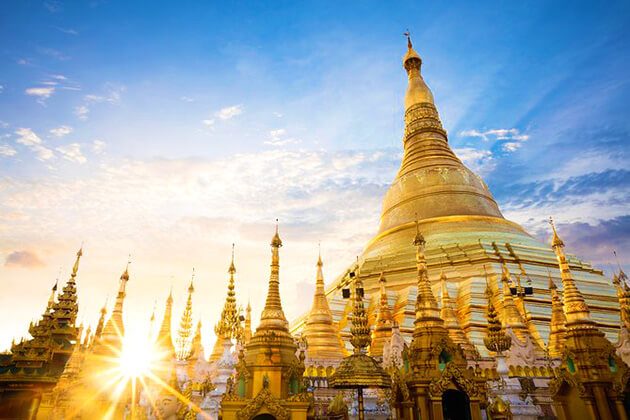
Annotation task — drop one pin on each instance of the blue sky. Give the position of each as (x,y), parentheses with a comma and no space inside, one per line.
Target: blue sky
(171,132)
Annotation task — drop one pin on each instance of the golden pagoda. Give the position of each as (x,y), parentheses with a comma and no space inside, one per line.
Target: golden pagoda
(247,327)
(465,232)
(269,374)
(32,368)
(593,379)
(322,336)
(164,341)
(382,332)
(184,334)
(229,326)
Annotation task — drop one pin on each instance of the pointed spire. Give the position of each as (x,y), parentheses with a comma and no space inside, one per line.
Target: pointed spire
(101,322)
(228,326)
(495,340)
(51,299)
(247,328)
(164,342)
(383,326)
(114,328)
(185,325)
(426,304)
(557,329)
(273,317)
(322,338)
(575,306)
(75,267)
(360,329)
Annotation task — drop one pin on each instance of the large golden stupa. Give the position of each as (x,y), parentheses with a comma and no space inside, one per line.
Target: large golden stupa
(468,239)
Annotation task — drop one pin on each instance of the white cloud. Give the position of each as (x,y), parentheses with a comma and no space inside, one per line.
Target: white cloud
(72,152)
(511,138)
(98,147)
(208,123)
(82,112)
(7,151)
(68,31)
(31,140)
(112,94)
(187,99)
(479,161)
(42,93)
(23,61)
(1,88)
(278,138)
(61,131)
(229,112)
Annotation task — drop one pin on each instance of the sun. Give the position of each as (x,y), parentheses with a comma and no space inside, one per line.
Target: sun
(136,358)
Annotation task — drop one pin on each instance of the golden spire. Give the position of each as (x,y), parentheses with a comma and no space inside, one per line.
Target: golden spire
(196,348)
(164,342)
(247,330)
(623,294)
(426,304)
(51,299)
(383,326)
(495,340)
(451,322)
(511,316)
(101,322)
(557,329)
(229,325)
(75,267)
(322,337)
(272,315)
(575,306)
(431,180)
(185,325)
(114,327)
(360,329)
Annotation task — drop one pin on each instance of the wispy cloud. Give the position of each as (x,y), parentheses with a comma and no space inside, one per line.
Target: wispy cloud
(28,138)
(41,93)
(72,152)
(279,138)
(111,94)
(23,259)
(1,88)
(98,147)
(7,151)
(82,112)
(511,139)
(68,31)
(229,112)
(479,161)
(53,53)
(53,6)
(61,131)
(187,99)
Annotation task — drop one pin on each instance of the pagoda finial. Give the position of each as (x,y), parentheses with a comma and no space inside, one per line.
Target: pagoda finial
(383,326)
(75,267)
(191,287)
(408,35)
(232,268)
(556,241)
(276,242)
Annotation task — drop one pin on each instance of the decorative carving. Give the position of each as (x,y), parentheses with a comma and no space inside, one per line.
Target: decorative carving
(263,399)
